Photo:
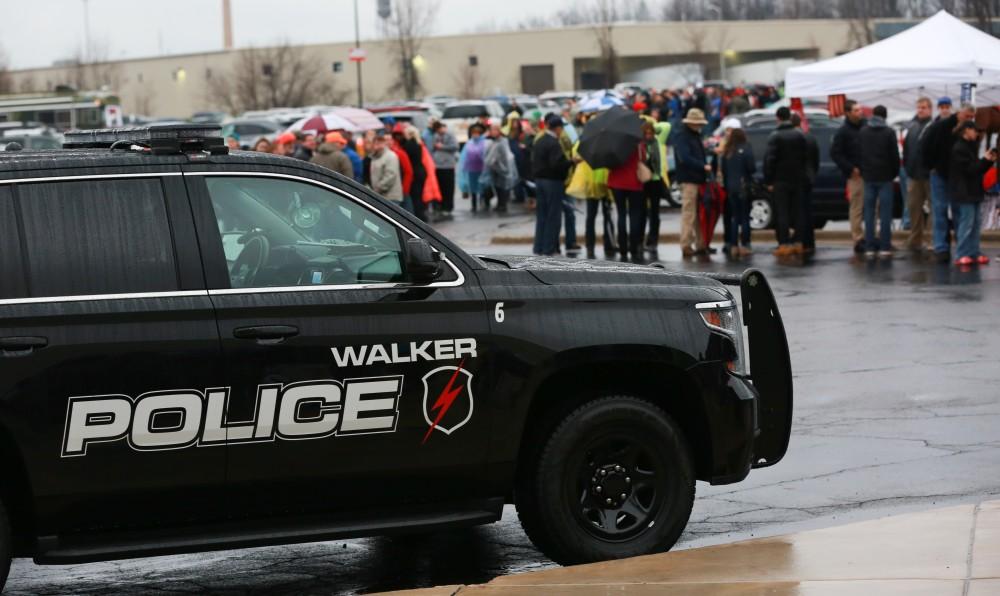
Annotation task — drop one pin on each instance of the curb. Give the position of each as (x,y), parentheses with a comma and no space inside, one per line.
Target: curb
(989,239)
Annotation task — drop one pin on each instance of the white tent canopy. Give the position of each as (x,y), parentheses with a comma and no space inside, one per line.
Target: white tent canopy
(933,58)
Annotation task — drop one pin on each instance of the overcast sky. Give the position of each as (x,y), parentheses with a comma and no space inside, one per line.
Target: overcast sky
(37,32)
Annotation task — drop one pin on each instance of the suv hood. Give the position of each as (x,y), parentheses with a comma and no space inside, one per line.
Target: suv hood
(558,271)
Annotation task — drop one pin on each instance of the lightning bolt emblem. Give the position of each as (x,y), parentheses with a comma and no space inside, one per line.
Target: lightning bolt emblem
(445,400)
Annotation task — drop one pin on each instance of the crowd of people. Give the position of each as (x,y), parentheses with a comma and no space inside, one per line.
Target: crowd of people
(946,172)
(536,160)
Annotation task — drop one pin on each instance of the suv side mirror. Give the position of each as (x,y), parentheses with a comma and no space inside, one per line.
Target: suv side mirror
(423,264)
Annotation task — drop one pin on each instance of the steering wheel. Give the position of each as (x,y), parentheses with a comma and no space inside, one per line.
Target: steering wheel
(252,258)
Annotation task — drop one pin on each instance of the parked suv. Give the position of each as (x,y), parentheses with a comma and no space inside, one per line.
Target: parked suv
(203,350)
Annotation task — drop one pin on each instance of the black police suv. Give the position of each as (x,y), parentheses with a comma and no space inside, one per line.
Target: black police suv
(203,350)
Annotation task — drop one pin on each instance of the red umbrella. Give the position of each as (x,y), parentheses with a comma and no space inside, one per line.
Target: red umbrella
(710,208)
(322,123)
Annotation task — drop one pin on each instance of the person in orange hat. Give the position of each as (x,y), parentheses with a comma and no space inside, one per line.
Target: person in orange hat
(285,144)
(331,155)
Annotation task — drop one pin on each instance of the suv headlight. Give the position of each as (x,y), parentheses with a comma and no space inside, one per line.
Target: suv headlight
(724,318)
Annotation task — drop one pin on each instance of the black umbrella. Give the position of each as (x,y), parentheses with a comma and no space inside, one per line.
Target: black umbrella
(611,138)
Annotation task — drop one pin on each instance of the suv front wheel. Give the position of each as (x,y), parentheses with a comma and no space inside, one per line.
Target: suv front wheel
(615,479)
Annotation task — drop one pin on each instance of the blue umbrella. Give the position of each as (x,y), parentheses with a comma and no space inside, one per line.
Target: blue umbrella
(600,101)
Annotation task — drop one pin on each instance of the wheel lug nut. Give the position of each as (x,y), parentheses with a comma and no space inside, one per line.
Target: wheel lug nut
(598,489)
(623,496)
(628,480)
(608,501)
(618,468)
(604,472)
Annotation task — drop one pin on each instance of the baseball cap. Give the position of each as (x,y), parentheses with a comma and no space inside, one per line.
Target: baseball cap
(285,138)
(968,124)
(554,120)
(944,100)
(731,123)
(335,137)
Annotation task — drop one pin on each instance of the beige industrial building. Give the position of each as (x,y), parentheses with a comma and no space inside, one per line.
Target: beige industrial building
(508,62)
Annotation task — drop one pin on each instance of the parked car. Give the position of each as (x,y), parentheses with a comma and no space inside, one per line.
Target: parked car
(203,350)
(829,195)
(208,117)
(249,131)
(462,114)
(418,115)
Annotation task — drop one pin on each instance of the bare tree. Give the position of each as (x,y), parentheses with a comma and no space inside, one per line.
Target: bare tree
(6,81)
(604,16)
(92,69)
(408,26)
(263,78)
(984,11)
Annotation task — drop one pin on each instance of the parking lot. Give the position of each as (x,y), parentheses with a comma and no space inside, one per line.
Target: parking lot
(897,409)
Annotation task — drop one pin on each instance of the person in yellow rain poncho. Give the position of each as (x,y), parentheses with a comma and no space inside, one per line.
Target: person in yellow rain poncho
(659,186)
(591,186)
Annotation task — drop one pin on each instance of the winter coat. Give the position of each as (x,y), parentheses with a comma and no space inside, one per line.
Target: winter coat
(445,158)
(405,167)
(879,152)
(936,146)
(662,134)
(738,169)
(414,151)
(913,160)
(625,176)
(302,152)
(812,158)
(548,161)
(386,177)
(689,153)
(966,171)
(331,157)
(846,148)
(786,157)
(499,170)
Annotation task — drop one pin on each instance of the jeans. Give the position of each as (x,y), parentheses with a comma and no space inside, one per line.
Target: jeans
(548,216)
(904,189)
(969,216)
(502,196)
(569,212)
(407,204)
(940,203)
(590,228)
(881,193)
(739,220)
(630,221)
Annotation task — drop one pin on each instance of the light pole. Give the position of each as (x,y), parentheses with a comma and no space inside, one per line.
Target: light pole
(357,44)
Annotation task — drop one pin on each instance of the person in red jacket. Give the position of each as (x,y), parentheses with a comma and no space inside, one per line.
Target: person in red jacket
(629,201)
(404,166)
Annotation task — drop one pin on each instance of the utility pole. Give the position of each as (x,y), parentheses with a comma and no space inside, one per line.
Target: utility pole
(357,44)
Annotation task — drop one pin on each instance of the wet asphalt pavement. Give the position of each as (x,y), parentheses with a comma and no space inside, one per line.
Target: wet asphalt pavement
(896,368)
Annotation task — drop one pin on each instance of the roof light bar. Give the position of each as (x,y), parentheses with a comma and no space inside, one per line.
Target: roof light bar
(162,140)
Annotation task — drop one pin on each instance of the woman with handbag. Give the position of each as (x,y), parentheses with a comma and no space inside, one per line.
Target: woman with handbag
(626,184)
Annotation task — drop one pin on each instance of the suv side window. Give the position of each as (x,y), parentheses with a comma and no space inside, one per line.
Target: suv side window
(281,233)
(12,282)
(97,237)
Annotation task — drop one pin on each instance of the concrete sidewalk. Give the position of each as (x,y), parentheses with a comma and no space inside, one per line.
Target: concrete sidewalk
(953,551)
(470,230)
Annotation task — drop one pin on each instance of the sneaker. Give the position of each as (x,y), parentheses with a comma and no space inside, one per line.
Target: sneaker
(983,260)
(590,254)
(796,249)
(783,250)
(964,261)
(859,247)
(687,251)
(942,257)
(745,251)
(886,254)
(870,254)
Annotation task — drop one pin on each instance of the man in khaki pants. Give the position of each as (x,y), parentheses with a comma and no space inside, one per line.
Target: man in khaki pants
(846,153)
(918,189)
(691,174)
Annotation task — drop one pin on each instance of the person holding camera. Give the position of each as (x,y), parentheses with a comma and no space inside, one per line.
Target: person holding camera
(966,170)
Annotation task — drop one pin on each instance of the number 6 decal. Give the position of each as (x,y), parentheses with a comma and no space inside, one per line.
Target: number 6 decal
(498,313)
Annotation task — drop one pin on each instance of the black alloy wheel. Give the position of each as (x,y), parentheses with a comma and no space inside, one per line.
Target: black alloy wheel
(620,484)
(614,479)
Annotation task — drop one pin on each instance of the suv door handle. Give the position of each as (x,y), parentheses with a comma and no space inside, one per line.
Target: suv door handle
(266,334)
(13,347)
